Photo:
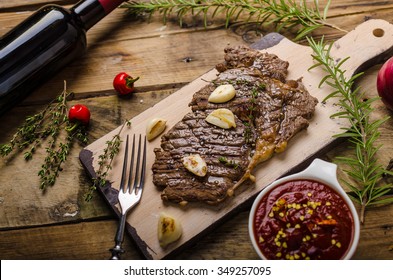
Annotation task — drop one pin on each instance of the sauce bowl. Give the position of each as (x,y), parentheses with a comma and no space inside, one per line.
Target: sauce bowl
(306,215)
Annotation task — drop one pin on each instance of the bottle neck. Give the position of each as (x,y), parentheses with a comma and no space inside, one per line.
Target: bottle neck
(92,11)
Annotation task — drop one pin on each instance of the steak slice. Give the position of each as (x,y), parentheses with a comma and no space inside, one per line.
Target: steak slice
(225,152)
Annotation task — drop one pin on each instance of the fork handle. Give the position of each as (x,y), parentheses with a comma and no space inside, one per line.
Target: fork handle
(117,250)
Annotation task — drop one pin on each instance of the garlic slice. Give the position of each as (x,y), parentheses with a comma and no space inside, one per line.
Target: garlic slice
(154,128)
(223,118)
(222,93)
(195,164)
(169,229)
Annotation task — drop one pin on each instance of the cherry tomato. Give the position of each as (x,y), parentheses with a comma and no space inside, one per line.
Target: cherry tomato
(124,83)
(79,113)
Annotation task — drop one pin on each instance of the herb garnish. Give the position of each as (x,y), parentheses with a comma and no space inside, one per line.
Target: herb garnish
(229,163)
(362,132)
(249,124)
(105,161)
(282,14)
(248,132)
(48,125)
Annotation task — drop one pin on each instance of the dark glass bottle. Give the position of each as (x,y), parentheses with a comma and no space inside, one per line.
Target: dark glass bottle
(43,44)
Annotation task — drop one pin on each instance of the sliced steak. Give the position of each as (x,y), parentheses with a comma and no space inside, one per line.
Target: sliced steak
(224,150)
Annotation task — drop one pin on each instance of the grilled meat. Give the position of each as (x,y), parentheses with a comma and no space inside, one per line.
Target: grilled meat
(269,111)
(276,110)
(225,152)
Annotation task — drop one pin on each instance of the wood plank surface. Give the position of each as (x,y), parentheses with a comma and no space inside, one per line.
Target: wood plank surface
(117,44)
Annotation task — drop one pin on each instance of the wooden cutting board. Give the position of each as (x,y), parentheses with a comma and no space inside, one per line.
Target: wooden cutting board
(370,43)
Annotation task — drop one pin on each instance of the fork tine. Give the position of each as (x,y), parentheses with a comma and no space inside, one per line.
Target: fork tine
(138,187)
(140,175)
(123,174)
(131,164)
(143,171)
(137,164)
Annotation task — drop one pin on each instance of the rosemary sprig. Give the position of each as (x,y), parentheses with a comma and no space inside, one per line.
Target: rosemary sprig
(47,125)
(283,14)
(105,160)
(362,132)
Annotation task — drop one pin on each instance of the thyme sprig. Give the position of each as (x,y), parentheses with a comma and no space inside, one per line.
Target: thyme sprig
(47,126)
(283,14)
(105,160)
(34,129)
(362,132)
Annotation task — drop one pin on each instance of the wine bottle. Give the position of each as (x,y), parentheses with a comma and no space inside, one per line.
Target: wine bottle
(43,44)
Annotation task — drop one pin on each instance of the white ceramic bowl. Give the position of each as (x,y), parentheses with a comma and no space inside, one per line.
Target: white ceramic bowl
(320,171)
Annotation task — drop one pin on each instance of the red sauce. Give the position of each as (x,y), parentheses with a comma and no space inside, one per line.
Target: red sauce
(303,219)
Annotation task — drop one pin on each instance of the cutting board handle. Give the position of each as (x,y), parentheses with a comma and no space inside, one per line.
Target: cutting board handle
(370,43)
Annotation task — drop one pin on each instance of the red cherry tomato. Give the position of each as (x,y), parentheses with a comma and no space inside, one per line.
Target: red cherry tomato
(124,83)
(79,113)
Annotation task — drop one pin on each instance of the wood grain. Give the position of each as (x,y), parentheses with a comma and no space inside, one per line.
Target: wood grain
(29,209)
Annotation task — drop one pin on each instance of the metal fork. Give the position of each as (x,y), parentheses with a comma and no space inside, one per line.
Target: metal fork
(128,197)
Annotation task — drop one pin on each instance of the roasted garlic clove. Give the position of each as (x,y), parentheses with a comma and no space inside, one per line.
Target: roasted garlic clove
(195,164)
(223,118)
(222,93)
(169,229)
(154,128)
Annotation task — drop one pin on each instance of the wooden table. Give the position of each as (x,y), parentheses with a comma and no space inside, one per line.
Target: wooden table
(59,224)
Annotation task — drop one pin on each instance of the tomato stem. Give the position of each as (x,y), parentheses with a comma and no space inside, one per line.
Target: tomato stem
(130,81)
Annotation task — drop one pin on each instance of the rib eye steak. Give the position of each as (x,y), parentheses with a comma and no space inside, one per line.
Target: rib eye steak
(269,111)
